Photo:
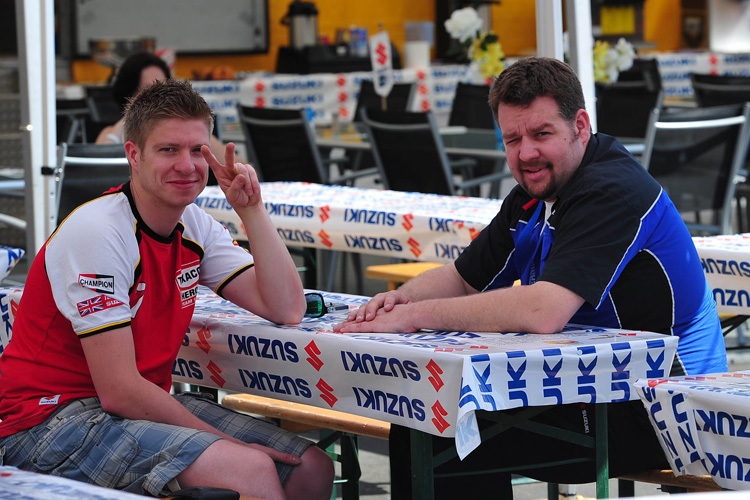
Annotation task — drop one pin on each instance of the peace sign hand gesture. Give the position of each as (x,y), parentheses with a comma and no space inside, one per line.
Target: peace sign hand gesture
(238,180)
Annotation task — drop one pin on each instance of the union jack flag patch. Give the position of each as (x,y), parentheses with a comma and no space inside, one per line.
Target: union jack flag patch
(96,304)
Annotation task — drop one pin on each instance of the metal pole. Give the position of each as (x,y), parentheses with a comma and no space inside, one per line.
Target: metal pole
(36,54)
(581,51)
(549,42)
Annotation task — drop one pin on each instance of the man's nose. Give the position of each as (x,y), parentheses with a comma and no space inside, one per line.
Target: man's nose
(185,162)
(527,150)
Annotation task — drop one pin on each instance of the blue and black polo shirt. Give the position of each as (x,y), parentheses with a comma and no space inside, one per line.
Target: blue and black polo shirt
(616,239)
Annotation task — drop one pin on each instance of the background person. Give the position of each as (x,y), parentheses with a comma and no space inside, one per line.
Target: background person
(595,241)
(135,73)
(84,383)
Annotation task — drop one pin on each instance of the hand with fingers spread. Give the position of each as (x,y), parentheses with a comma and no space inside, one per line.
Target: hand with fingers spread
(238,180)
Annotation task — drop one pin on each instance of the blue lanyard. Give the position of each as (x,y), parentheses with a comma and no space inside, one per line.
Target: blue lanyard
(529,260)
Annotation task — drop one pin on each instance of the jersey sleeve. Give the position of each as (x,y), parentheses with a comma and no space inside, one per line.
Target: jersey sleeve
(90,262)
(223,259)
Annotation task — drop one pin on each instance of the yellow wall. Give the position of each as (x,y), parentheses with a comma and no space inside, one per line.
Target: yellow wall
(512,20)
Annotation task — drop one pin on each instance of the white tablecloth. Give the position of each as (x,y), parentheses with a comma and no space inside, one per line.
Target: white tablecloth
(429,381)
(726,263)
(703,424)
(413,226)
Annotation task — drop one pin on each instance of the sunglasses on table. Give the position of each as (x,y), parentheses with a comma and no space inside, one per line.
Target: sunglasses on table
(317,307)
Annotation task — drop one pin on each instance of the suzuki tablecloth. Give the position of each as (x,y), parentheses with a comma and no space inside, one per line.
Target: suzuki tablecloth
(414,226)
(702,424)
(726,263)
(429,381)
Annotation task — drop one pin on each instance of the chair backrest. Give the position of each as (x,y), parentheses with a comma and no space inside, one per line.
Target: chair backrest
(102,105)
(85,171)
(470,107)
(623,108)
(280,145)
(716,90)
(643,70)
(696,154)
(399,98)
(408,151)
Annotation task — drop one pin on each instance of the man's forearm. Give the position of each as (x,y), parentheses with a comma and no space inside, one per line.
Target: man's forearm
(277,277)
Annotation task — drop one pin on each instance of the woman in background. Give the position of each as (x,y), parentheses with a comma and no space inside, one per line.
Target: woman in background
(136,72)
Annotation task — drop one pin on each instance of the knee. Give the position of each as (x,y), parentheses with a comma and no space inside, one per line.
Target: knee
(315,474)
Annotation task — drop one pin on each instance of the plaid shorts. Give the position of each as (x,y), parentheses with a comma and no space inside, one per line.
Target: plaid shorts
(82,442)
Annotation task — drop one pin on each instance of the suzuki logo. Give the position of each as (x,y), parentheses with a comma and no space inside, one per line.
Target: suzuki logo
(324,239)
(314,352)
(414,244)
(203,335)
(260,102)
(440,422)
(407,222)
(260,87)
(436,371)
(216,374)
(324,213)
(381,51)
(326,392)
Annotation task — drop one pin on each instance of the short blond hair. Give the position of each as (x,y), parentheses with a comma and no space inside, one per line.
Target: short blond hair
(162,101)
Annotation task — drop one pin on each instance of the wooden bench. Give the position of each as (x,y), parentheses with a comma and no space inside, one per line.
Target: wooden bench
(666,477)
(298,417)
(395,274)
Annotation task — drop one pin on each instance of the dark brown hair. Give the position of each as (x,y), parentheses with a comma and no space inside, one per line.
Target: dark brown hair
(525,80)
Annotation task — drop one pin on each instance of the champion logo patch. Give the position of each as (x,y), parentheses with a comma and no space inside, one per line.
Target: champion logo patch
(101,283)
(49,400)
(96,304)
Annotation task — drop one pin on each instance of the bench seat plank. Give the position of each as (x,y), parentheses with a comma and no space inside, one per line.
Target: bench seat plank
(308,415)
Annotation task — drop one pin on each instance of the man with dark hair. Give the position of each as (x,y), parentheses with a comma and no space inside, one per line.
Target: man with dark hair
(84,385)
(594,240)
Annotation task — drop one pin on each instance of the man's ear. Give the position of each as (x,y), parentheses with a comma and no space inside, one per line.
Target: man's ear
(583,125)
(133,154)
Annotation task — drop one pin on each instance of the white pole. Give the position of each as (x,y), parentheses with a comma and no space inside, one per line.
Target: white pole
(581,52)
(36,55)
(549,41)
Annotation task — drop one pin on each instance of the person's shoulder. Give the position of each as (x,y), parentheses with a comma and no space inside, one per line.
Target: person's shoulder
(110,211)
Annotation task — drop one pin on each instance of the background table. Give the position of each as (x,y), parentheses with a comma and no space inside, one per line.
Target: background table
(702,423)
(17,484)
(412,226)
(726,263)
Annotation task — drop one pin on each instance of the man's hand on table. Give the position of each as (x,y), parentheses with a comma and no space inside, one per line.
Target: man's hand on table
(384,313)
(238,181)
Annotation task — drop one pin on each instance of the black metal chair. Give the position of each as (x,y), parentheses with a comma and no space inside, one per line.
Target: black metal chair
(471,108)
(643,70)
(623,108)
(696,155)
(281,147)
(103,109)
(85,171)
(410,155)
(716,90)
(399,98)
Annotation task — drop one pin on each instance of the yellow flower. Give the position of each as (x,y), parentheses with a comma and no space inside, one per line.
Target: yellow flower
(488,54)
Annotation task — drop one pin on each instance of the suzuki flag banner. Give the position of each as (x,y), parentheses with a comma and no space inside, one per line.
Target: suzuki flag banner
(382,67)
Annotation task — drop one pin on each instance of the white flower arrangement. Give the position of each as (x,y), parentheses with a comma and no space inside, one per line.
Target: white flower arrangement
(609,61)
(463,24)
(484,50)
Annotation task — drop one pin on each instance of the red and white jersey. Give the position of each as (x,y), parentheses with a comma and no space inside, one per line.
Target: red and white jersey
(101,270)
